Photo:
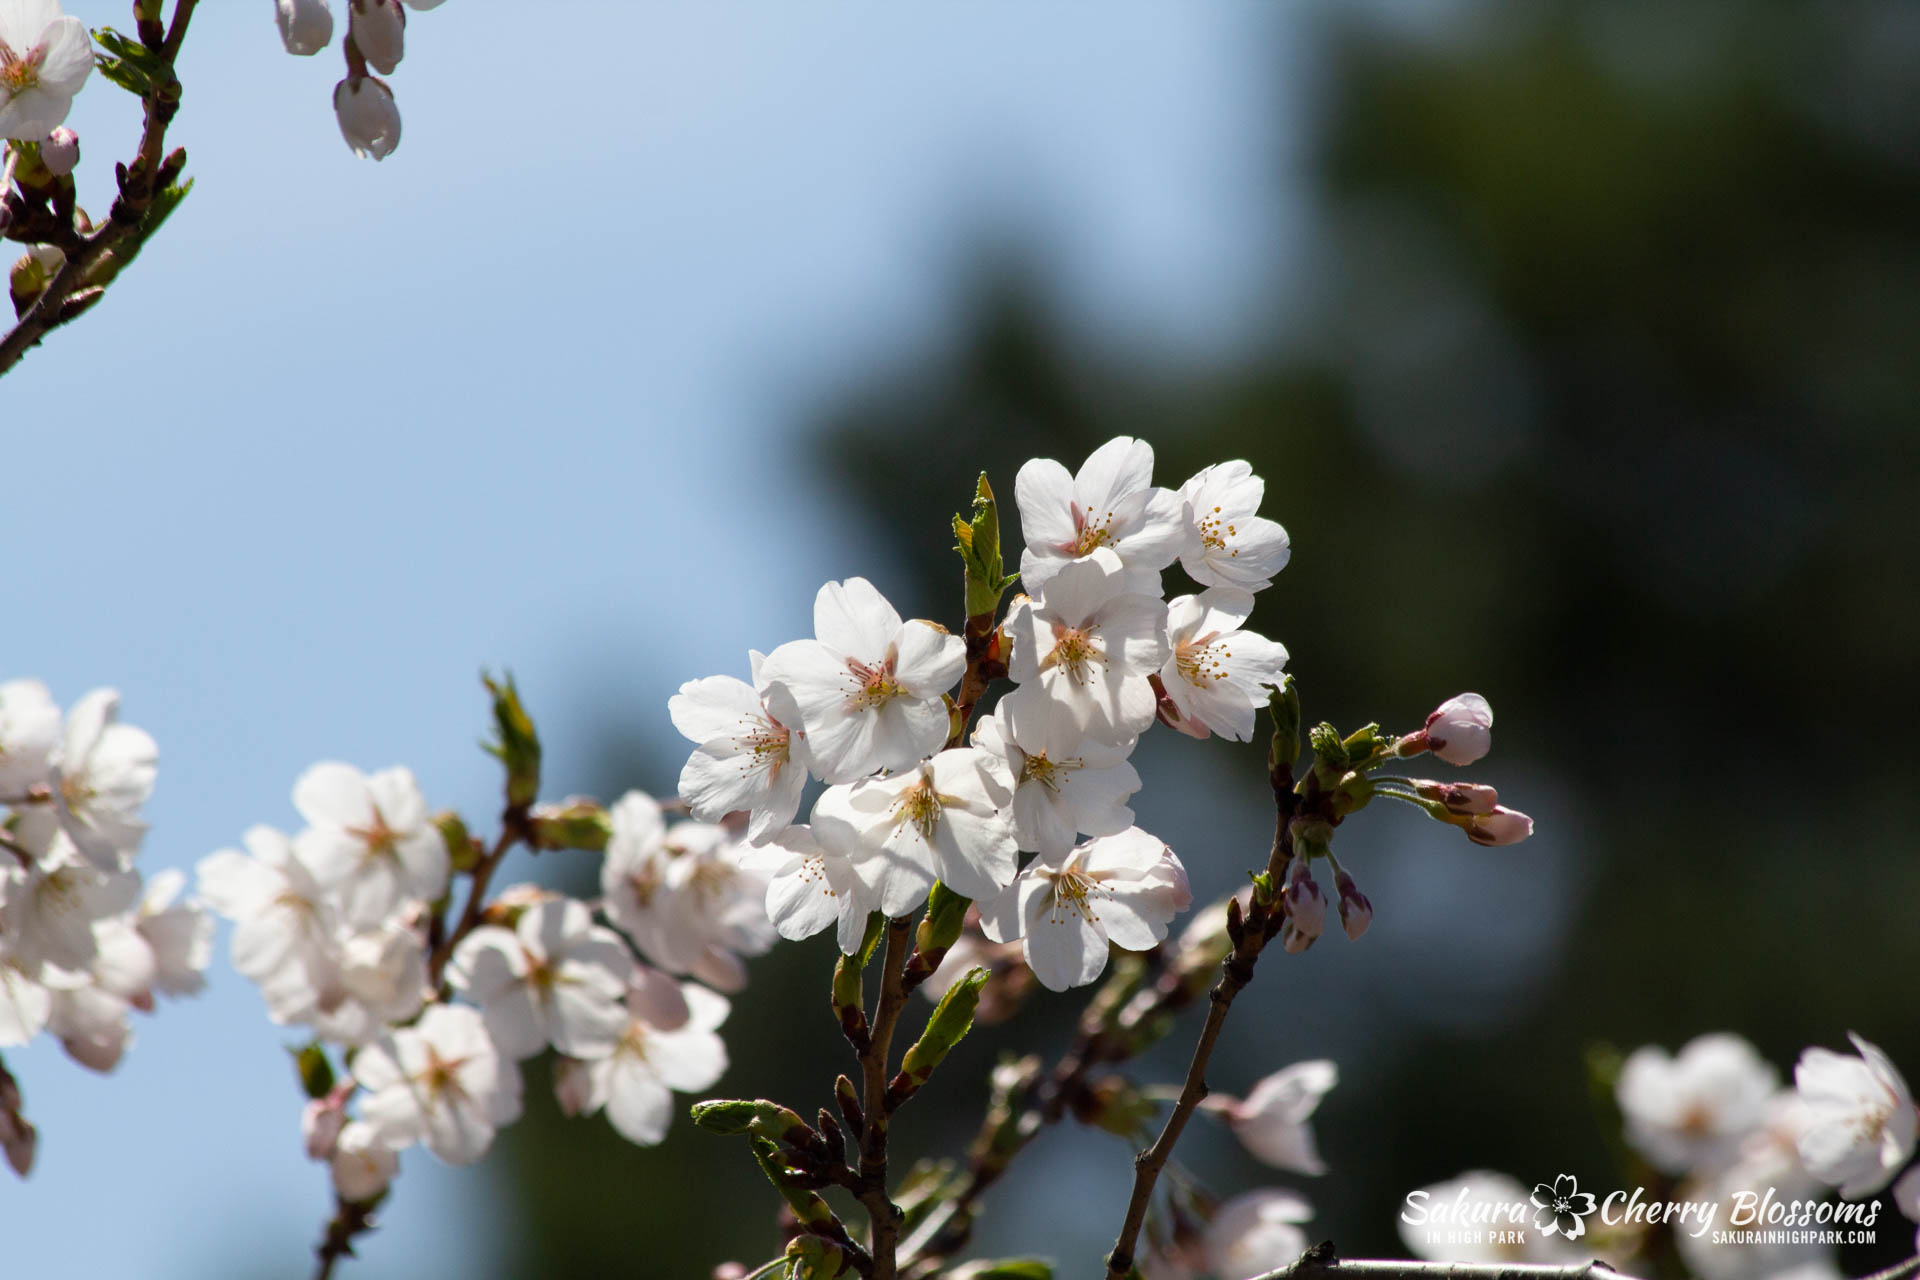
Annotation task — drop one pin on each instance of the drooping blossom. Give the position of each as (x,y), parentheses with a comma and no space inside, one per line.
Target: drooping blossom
(369,118)
(378,28)
(306,26)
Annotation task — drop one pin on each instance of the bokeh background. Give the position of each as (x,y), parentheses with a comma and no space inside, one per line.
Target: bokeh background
(1579,344)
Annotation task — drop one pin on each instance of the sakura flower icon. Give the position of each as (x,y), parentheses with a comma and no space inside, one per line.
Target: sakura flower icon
(1561,1207)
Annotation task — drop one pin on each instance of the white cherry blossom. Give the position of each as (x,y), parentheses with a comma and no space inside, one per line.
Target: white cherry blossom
(1860,1118)
(1690,1110)
(747,759)
(684,894)
(24,1004)
(1121,889)
(635,1084)
(1110,504)
(812,886)
(1218,674)
(179,933)
(1090,645)
(555,978)
(1257,1232)
(867,689)
(91,1025)
(378,979)
(371,841)
(29,733)
(102,773)
(284,923)
(440,1081)
(1064,783)
(362,1164)
(306,26)
(944,820)
(1271,1121)
(52,906)
(45,57)
(1227,544)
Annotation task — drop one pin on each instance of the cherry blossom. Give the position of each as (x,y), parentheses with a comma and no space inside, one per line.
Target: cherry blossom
(371,841)
(1227,544)
(1091,645)
(635,1084)
(1257,1232)
(1459,730)
(1064,783)
(369,118)
(1121,889)
(362,1164)
(812,885)
(747,759)
(179,933)
(52,905)
(1693,1109)
(1271,1121)
(44,59)
(1218,674)
(306,26)
(1860,1117)
(102,773)
(867,690)
(1110,504)
(1502,826)
(284,924)
(684,894)
(944,820)
(440,1081)
(29,733)
(554,978)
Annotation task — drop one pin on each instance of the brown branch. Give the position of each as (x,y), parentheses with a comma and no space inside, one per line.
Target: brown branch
(1250,934)
(1319,1263)
(68,295)
(349,1220)
(513,829)
(872,1184)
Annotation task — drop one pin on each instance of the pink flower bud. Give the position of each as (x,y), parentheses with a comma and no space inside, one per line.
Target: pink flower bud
(369,117)
(378,28)
(1458,797)
(1502,826)
(1306,905)
(1292,940)
(1356,912)
(1460,730)
(60,152)
(321,1122)
(572,1086)
(306,26)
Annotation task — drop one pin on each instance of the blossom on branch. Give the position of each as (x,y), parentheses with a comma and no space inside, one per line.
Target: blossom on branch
(1860,1121)
(1226,543)
(1218,674)
(1065,784)
(554,978)
(1090,645)
(45,57)
(1110,504)
(944,820)
(440,1081)
(747,759)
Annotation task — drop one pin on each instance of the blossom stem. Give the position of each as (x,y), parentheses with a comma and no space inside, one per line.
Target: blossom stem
(349,1220)
(1250,936)
(513,828)
(151,172)
(872,1184)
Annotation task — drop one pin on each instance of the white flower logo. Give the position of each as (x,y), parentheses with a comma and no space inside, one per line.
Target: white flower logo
(1561,1206)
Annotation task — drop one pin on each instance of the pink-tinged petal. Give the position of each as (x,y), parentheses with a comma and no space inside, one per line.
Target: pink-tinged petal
(1063,948)
(853,619)
(928,661)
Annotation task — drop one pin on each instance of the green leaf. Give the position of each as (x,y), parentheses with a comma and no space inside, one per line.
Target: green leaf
(978,542)
(516,744)
(726,1116)
(316,1073)
(946,916)
(952,1019)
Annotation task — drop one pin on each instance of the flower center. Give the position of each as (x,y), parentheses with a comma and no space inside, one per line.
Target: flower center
(770,743)
(877,685)
(440,1074)
(377,836)
(1091,530)
(1214,532)
(19,74)
(920,805)
(1074,651)
(1074,891)
(1199,665)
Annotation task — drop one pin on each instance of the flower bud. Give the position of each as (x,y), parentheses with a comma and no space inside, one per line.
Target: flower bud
(1502,826)
(572,1086)
(369,117)
(1306,905)
(1292,940)
(1356,911)
(1458,797)
(1460,730)
(306,26)
(363,1165)
(321,1122)
(60,152)
(378,28)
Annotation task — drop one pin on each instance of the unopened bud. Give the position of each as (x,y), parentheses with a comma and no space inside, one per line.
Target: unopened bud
(1502,826)
(320,1124)
(1292,940)
(33,272)
(60,152)
(1460,730)
(1306,905)
(379,28)
(1356,912)
(576,823)
(306,26)
(572,1086)
(1458,797)
(369,117)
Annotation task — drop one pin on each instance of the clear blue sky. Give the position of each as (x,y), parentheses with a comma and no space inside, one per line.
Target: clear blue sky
(524,394)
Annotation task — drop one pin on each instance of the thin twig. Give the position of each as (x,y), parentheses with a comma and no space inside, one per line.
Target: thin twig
(513,828)
(349,1220)
(1319,1263)
(872,1188)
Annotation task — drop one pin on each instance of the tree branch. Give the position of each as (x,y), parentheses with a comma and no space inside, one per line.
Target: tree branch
(1319,1263)
(68,295)
(872,1189)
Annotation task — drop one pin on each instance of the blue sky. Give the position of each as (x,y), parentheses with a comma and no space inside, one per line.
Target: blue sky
(527,394)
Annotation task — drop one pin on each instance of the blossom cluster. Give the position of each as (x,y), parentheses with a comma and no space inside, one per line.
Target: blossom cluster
(83,940)
(45,58)
(376,40)
(342,926)
(1717,1120)
(1097,654)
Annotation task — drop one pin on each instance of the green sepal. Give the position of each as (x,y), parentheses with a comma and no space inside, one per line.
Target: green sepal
(978,542)
(946,916)
(516,745)
(315,1071)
